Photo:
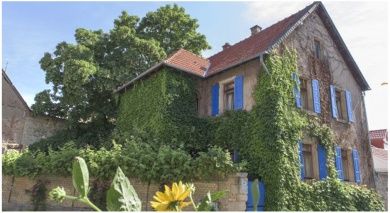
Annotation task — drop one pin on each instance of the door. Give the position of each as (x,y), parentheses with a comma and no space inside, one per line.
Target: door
(261,201)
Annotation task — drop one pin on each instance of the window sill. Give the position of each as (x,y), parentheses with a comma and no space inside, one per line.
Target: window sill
(309,112)
(342,121)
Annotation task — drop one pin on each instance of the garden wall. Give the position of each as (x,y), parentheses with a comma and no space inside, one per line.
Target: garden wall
(17,193)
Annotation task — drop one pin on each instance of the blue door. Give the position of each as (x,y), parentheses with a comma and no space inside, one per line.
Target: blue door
(261,202)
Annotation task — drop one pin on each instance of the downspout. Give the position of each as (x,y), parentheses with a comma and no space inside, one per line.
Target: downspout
(261,57)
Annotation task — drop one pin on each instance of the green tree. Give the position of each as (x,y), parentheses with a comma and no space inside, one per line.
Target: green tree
(173,29)
(84,74)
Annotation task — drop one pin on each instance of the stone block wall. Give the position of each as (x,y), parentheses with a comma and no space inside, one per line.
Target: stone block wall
(381,185)
(17,193)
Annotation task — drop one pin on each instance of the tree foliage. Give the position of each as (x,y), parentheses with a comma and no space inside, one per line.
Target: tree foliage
(85,73)
(173,29)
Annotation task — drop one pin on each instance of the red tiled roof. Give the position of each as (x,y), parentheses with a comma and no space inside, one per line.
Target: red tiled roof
(252,46)
(380,159)
(188,61)
(378,134)
(249,49)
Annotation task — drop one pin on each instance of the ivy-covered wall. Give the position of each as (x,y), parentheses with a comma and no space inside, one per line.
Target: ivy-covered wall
(164,106)
(267,138)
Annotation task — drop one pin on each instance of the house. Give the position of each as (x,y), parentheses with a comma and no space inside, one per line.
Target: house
(380,155)
(331,86)
(20,127)
(379,138)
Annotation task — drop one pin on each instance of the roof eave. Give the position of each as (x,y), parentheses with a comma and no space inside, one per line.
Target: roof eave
(153,68)
(349,59)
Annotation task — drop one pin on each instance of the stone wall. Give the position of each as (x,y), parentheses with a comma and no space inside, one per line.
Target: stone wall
(381,186)
(17,193)
(332,69)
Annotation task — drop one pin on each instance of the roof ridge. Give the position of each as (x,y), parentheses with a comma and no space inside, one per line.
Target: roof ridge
(172,55)
(262,31)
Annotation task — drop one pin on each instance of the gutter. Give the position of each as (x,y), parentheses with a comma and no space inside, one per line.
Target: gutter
(261,57)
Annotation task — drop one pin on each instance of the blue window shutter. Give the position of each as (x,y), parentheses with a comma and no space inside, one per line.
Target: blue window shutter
(215,100)
(339,163)
(356,165)
(297,92)
(260,206)
(301,160)
(348,99)
(316,96)
(239,92)
(249,202)
(323,171)
(235,156)
(333,101)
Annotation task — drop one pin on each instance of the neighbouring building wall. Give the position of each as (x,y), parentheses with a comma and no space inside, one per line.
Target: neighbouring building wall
(40,127)
(19,124)
(250,72)
(381,185)
(14,112)
(332,69)
(17,193)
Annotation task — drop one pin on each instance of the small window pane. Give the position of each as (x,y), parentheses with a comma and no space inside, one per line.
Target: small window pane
(229,96)
(317,47)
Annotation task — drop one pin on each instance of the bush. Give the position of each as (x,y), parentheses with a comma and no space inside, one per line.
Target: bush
(138,159)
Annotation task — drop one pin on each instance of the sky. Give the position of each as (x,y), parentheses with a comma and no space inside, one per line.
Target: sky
(29,29)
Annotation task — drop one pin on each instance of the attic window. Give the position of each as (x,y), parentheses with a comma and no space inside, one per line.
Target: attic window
(317,49)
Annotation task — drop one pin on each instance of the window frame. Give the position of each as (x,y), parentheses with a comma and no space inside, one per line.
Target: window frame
(309,105)
(317,49)
(341,104)
(313,142)
(348,173)
(228,89)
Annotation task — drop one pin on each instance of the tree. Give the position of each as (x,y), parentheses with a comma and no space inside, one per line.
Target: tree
(173,29)
(85,74)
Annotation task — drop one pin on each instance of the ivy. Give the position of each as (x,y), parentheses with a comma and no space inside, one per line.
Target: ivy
(164,106)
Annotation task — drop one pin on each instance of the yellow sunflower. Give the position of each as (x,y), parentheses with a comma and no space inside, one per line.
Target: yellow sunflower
(171,199)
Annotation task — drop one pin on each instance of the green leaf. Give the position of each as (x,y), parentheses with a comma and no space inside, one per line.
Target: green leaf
(80,176)
(207,203)
(121,196)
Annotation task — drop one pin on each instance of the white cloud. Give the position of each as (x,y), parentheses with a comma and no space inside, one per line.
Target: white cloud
(363,27)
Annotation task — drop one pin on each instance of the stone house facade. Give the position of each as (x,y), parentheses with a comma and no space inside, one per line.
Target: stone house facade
(19,126)
(331,85)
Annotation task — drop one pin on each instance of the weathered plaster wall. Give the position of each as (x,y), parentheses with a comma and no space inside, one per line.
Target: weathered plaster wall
(19,125)
(39,127)
(332,69)
(17,194)
(381,181)
(249,70)
(14,112)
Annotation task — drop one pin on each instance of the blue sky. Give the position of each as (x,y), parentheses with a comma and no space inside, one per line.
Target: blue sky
(32,28)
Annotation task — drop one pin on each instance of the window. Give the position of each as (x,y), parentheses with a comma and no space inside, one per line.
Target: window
(346,157)
(308,160)
(228,96)
(306,96)
(341,105)
(317,49)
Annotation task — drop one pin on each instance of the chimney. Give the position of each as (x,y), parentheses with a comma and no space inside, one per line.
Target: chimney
(255,29)
(225,46)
